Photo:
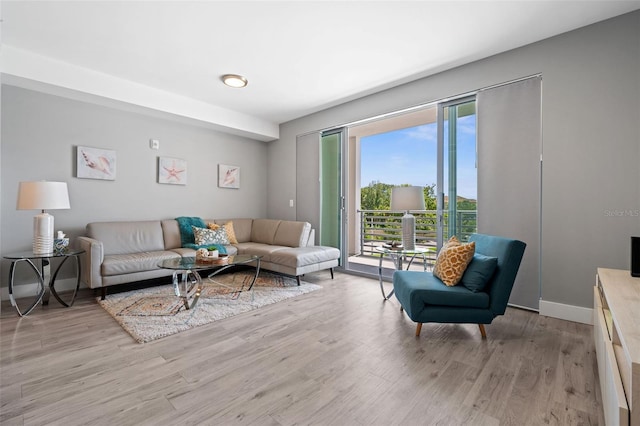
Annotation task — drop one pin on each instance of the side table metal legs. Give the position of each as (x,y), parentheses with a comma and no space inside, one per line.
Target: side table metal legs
(41,290)
(387,296)
(44,289)
(52,286)
(397,259)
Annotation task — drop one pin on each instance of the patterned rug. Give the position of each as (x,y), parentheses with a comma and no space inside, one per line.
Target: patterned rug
(156,312)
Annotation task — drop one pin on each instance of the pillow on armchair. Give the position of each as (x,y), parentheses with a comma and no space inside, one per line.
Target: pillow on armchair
(452,261)
(479,272)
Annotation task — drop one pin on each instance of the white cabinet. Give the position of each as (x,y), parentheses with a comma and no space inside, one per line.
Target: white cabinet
(617,340)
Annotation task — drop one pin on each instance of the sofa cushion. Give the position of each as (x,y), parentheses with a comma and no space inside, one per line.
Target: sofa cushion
(303,256)
(422,288)
(264,230)
(292,234)
(119,264)
(259,249)
(171,233)
(241,229)
(479,272)
(127,237)
(452,261)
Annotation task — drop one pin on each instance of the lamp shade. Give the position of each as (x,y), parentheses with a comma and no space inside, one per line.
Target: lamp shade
(407,198)
(43,195)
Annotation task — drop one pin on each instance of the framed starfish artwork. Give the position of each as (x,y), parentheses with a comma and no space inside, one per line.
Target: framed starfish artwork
(95,163)
(172,171)
(228,176)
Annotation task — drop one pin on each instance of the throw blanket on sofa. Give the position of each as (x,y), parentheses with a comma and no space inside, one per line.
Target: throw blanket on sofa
(187,238)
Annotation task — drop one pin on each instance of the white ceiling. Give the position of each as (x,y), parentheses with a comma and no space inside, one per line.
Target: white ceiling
(299,56)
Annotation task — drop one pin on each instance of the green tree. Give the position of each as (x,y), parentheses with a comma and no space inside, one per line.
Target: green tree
(377,196)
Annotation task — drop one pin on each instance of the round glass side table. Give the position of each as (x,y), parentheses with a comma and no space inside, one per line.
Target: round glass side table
(397,256)
(46,281)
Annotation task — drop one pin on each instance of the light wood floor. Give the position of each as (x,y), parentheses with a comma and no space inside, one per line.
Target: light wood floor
(338,356)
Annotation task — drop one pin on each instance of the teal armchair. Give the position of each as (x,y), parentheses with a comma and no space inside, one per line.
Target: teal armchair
(427,299)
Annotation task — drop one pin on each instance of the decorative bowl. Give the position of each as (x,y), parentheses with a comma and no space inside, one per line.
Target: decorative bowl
(60,244)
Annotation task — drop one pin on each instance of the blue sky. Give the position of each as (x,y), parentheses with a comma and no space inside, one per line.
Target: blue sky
(409,156)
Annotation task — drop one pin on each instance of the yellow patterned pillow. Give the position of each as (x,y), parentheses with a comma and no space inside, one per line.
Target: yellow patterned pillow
(453,241)
(231,234)
(228,227)
(452,261)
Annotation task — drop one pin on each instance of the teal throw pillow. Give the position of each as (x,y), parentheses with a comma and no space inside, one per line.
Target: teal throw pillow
(479,272)
(186,232)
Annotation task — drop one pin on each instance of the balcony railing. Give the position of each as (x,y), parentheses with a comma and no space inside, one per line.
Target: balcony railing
(380,226)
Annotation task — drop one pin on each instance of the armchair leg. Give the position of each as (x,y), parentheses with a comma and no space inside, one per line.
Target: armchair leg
(331,269)
(482,331)
(298,279)
(418,329)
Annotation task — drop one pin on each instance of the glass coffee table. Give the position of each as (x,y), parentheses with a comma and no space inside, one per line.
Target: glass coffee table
(189,286)
(397,256)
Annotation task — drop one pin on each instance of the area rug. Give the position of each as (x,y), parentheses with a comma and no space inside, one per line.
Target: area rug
(151,313)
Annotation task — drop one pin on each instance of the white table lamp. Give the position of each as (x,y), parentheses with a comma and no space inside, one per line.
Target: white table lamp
(43,195)
(408,198)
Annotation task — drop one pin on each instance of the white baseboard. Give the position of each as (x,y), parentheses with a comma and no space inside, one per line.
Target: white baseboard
(566,312)
(30,290)
(549,309)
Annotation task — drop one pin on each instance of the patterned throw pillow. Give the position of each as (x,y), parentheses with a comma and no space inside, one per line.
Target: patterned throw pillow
(228,227)
(209,236)
(453,260)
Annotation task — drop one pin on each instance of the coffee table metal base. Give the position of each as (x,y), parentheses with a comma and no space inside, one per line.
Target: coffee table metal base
(187,287)
(187,282)
(237,291)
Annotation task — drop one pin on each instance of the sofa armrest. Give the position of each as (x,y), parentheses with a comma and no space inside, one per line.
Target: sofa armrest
(91,260)
(312,238)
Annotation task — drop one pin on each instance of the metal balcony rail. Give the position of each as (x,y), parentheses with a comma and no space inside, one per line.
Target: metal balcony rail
(380,226)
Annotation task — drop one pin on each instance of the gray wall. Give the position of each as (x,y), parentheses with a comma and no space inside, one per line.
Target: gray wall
(591,143)
(39,135)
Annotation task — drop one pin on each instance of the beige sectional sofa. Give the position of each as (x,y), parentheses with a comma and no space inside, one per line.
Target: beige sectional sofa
(124,252)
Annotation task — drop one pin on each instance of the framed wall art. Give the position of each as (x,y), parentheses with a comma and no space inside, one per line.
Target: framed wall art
(95,163)
(172,171)
(228,176)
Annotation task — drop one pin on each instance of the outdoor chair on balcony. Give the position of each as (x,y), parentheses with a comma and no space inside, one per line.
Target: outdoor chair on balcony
(495,264)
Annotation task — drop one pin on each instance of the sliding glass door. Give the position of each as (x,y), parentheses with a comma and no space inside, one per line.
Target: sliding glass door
(432,147)
(331,198)
(457,174)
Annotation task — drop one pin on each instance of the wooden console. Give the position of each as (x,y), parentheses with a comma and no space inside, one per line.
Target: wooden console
(616,331)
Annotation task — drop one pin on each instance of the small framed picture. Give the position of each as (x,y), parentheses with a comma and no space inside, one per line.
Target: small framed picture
(95,163)
(228,176)
(172,171)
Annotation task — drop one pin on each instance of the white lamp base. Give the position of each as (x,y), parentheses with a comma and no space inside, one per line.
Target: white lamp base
(409,231)
(42,234)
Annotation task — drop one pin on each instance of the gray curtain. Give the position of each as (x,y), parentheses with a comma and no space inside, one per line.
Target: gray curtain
(509,175)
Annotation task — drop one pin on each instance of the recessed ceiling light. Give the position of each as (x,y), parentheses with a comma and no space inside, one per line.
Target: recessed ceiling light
(234,80)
